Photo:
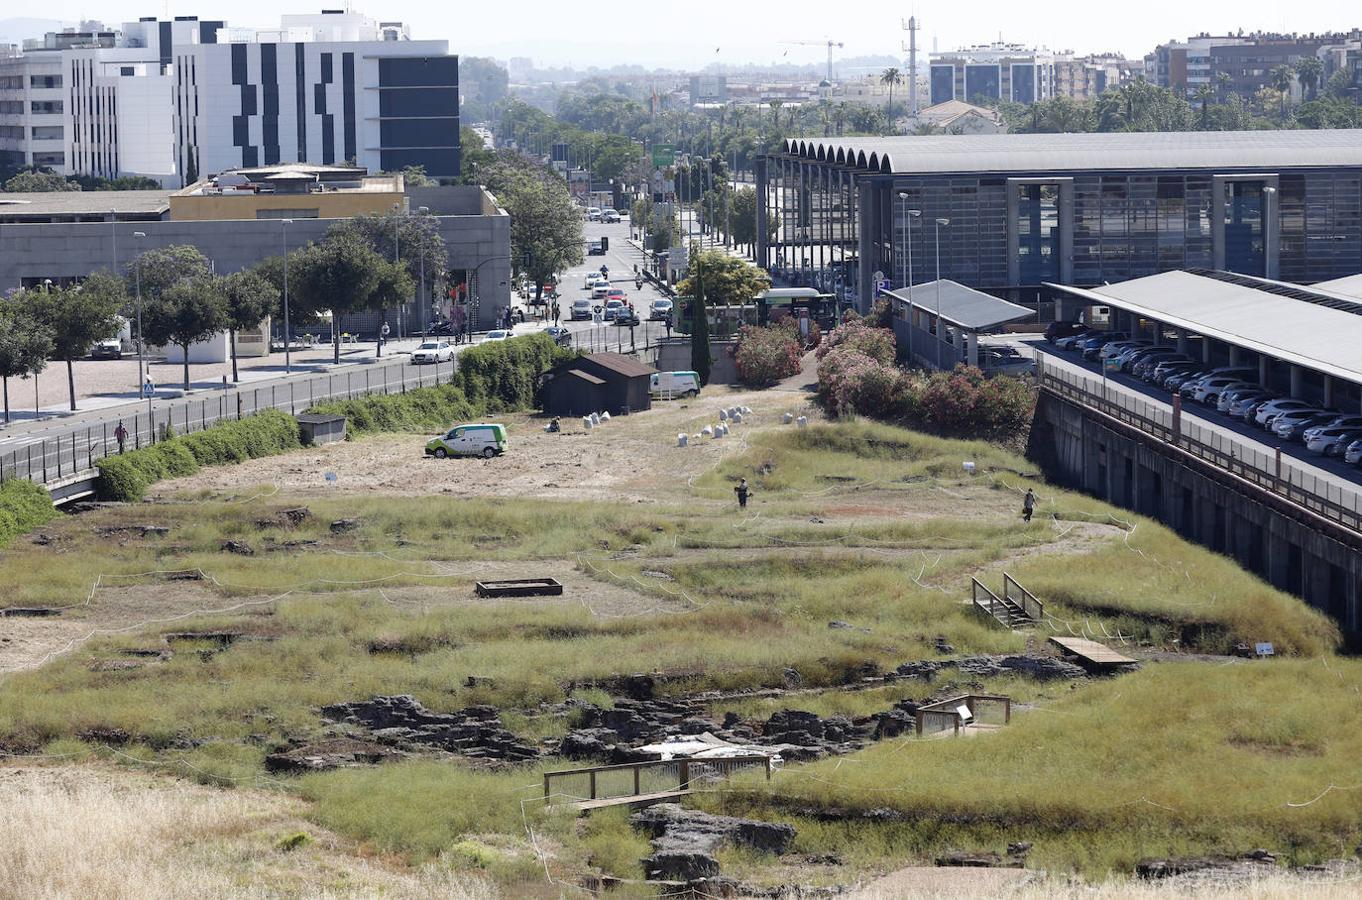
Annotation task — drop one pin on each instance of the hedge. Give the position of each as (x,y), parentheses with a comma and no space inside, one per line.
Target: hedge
(23,507)
(127,476)
(496,377)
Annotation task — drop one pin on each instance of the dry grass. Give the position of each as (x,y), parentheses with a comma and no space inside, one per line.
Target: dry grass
(82,832)
(925,883)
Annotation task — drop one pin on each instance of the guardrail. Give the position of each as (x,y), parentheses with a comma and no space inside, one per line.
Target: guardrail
(53,459)
(1014,592)
(1268,470)
(987,602)
(654,776)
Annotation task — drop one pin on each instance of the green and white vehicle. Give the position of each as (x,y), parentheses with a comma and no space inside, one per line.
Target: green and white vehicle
(476,439)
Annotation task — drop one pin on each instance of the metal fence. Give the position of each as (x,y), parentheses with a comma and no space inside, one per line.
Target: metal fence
(52,459)
(1269,469)
(650,777)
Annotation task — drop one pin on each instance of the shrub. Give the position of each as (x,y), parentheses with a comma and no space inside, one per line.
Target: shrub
(423,409)
(126,477)
(876,343)
(23,507)
(765,356)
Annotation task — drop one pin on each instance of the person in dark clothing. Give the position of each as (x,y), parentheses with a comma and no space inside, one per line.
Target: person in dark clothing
(743,492)
(1028,505)
(121,435)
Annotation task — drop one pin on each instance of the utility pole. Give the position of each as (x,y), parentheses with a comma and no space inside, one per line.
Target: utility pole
(911,27)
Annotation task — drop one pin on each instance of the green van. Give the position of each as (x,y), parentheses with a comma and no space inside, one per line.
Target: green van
(477,439)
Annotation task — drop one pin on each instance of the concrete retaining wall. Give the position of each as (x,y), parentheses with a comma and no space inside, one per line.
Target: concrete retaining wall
(675,357)
(1296,551)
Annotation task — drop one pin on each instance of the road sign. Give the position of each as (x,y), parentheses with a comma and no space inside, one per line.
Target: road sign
(1110,364)
(884,284)
(664,155)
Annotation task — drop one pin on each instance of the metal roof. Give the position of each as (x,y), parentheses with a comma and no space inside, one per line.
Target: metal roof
(585,376)
(1350,286)
(1311,335)
(792,293)
(83,203)
(963,306)
(1224,150)
(620,364)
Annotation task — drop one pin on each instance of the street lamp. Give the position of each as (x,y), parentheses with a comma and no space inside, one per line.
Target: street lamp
(141,342)
(940,223)
(423,211)
(908,216)
(288,341)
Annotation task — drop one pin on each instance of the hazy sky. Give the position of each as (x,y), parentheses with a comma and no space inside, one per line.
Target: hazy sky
(606,32)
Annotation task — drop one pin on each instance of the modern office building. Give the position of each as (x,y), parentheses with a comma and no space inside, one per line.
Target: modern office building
(237,219)
(1243,64)
(173,100)
(1087,77)
(993,72)
(1021,210)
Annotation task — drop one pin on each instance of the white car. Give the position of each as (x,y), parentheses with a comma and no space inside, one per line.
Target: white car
(600,289)
(433,352)
(609,215)
(1331,441)
(592,279)
(593,213)
(499,334)
(660,309)
(1209,390)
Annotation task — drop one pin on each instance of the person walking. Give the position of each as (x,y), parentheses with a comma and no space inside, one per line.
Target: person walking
(743,492)
(1028,505)
(121,435)
(556,313)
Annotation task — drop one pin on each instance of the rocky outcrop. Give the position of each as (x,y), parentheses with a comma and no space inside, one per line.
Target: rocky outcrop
(684,841)
(320,756)
(1037,666)
(474,732)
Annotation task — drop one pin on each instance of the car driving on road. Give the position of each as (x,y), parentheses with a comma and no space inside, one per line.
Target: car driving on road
(581,309)
(432,352)
(659,309)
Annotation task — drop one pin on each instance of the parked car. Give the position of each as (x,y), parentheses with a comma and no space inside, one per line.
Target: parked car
(1057,329)
(1075,341)
(1091,346)
(1332,440)
(497,335)
(1347,422)
(433,352)
(1005,361)
(1289,426)
(110,349)
(1166,368)
(1116,348)
(581,309)
(674,384)
(1146,358)
(1245,409)
(1352,454)
(1229,397)
(1235,375)
(659,309)
(485,439)
(1273,408)
(1209,390)
(561,336)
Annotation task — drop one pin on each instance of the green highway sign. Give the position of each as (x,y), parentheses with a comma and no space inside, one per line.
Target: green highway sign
(663,155)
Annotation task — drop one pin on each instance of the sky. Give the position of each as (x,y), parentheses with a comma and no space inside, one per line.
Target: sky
(664,34)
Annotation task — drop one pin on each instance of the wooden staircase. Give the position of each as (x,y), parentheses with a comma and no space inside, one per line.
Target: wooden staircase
(1016,608)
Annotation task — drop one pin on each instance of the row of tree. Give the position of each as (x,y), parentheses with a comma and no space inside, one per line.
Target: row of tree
(365,264)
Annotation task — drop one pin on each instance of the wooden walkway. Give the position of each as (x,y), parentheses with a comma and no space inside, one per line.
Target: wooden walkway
(680,772)
(1092,653)
(640,800)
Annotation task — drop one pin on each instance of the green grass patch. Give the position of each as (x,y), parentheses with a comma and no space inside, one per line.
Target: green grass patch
(23,507)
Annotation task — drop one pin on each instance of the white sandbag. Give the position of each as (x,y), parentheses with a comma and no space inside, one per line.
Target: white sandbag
(723,414)
(787,418)
(605,417)
(595,419)
(737,418)
(707,431)
(682,440)
(586,423)
(802,421)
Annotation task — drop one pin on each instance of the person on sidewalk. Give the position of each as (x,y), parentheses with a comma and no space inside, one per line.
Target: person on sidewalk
(1028,505)
(556,313)
(743,492)
(121,435)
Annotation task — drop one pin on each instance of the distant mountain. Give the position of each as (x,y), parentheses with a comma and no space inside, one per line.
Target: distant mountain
(16,30)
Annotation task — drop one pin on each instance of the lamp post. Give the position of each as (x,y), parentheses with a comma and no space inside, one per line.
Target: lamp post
(940,223)
(908,216)
(141,342)
(288,338)
(423,211)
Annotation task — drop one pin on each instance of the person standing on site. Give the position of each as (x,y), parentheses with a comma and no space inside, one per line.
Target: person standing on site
(1028,505)
(743,492)
(121,435)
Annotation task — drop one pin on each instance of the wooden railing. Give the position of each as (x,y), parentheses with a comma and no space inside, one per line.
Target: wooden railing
(1014,592)
(949,710)
(686,771)
(988,602)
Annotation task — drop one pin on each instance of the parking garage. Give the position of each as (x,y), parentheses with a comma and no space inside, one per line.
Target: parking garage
(1303,340)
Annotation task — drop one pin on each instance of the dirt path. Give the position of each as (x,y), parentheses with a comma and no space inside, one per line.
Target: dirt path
(630,458)
(932,881)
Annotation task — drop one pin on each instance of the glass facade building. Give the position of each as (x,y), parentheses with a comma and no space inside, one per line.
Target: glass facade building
(1078,209)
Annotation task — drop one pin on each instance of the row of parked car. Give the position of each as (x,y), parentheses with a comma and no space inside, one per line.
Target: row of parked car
(1228,389)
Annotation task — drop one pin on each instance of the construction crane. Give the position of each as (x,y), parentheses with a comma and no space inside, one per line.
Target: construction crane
(830,44)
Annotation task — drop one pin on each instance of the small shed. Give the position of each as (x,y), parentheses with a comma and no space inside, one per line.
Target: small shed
(599,382)
(316,429)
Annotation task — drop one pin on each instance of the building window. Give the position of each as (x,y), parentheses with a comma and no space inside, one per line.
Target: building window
(1038,233)
(311,213)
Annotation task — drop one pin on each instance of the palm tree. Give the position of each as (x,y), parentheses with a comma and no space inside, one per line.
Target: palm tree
(1281,78)
(1310,71)
(1222,80)
(891,76)
(839,116)
(1204,94)
(775,113)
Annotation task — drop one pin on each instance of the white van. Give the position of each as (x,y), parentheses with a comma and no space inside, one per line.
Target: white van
(485,439)
(669,385)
